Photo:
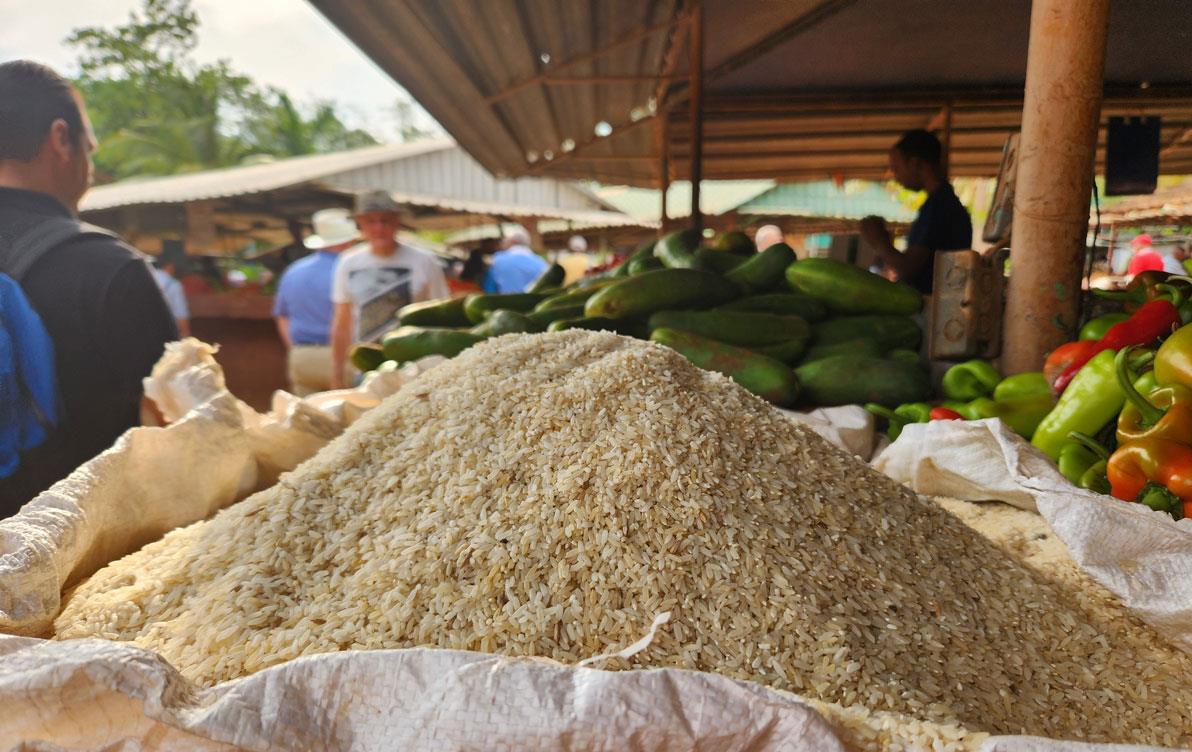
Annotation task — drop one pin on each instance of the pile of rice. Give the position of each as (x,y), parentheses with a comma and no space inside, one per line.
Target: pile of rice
(549,495)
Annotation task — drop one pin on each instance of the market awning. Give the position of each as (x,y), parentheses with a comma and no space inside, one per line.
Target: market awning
(801,89)
(1165,206)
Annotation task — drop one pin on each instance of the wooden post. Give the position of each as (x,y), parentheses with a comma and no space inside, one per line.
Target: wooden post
(1109,247)
(696,71)
(947,139)
(663,168)
(1060,116)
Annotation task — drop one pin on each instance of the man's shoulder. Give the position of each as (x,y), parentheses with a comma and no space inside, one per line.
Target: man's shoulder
(96,253)
(356,256)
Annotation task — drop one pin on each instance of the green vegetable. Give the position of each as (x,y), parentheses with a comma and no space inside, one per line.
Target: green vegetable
(853,380)
(788,303)
(547,315)
(735,242)
(600,323)
(845,288)
(717,261)
(1078,455)
(1022,414)
(767,378)
(787,352)
(411,343)
(901,416)
(440,312)
(903,355)
(743,328)
(864,347)
(970,380)
(660,290)
(552,277)
(574,296)
(1096,328)
(1092,399)
(639,266)
(677,250)
(506,321)
(478,307)
(366,356)
(889,332)
(762,270)
(1021,385)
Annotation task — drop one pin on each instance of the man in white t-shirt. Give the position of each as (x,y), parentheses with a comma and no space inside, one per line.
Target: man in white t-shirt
(376,278)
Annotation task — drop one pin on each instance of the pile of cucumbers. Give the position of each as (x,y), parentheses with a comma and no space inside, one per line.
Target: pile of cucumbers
(812,333)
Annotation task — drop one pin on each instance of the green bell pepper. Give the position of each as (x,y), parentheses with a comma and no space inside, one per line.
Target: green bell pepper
(1022,414)
(970,380)
(1094,329)
(1080,455)
(901,416)
(905,356)
(1021,385)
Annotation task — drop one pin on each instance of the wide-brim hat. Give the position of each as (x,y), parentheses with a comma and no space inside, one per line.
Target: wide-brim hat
(332,227)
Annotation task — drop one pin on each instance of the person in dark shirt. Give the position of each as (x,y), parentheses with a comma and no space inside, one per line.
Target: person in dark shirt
(95,294)
(942,224)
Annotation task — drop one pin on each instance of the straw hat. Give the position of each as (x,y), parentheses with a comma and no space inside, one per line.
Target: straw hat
(332,227)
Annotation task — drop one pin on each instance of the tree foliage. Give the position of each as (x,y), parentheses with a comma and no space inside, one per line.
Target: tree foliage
(157,111)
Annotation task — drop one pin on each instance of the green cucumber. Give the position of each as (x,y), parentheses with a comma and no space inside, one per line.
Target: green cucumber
(720,262)
(783,303)
(365,356)
(545,316)
(767,378)
(411,342)
(642,265)
(574,296)
(763,270)
(742,328)
(440,312)
(677,250)
(787,352)
(858,379)
(659,290)
(551,277)
(478,307)
(505,321)
(845,288)
(889,332)
(866,347)
(736,243)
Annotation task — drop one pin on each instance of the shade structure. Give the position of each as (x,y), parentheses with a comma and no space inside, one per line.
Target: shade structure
(800,89)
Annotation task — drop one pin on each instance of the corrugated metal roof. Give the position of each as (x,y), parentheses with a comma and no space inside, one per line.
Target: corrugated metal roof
(1168,205)
(800,89)
(248,179)
(716,197)
(487,209)
(853,200)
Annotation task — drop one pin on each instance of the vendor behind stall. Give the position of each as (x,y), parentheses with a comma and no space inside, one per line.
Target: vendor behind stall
(942,224)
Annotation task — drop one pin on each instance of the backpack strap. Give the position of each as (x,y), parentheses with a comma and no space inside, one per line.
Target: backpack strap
(19,255)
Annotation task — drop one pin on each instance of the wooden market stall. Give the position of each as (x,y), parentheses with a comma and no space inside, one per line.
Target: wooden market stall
(643,93)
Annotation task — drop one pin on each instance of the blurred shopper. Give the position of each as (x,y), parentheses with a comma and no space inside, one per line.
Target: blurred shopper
(1145,258)
(303,307)
(171,289)
(516,267)
(472,275)
(768,235)
(942,224)
(373,280)
(94,293)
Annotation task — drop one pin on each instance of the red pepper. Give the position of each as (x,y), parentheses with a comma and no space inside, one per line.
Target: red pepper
(1153,320)
(945,413)
(1064,356)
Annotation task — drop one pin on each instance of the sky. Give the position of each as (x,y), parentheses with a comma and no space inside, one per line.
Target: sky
(285,43)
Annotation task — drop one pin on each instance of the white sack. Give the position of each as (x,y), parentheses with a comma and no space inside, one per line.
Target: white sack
(150,482)
(849,427)
(1142,556)
(85,694)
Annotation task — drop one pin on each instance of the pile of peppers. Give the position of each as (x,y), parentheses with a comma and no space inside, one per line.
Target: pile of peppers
(975,390)
(1123,421)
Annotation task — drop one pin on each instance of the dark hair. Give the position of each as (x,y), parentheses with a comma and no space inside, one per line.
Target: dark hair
(922,144)
(475,267)
(32,97)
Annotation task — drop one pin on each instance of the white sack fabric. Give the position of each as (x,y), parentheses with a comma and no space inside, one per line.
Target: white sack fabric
(1144,557)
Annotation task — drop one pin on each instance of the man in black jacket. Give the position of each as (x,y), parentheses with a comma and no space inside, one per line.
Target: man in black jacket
(95,294)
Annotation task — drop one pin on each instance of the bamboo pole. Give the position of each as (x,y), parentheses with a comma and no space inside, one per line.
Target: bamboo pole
(1061,111)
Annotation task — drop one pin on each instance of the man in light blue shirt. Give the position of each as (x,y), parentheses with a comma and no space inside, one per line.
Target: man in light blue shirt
(171,290)
(515,268)
(303,306)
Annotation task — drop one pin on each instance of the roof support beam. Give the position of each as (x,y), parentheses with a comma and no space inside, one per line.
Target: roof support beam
(696,69)
(596,54)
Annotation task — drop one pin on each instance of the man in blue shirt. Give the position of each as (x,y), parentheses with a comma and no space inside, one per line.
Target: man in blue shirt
(516,267)
(942,224)
(303,306)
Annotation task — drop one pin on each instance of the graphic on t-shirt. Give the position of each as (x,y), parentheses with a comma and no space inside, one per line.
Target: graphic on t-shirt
(378,293)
